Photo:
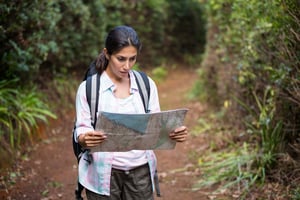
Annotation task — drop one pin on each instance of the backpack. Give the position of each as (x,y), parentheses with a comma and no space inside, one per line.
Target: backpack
(92,79)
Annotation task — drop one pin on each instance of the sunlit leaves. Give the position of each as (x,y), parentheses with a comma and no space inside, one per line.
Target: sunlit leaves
(20,112)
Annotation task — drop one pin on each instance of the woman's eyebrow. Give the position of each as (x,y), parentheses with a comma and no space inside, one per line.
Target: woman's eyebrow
(121,56)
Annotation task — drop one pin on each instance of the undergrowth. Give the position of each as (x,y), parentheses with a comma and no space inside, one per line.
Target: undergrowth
(239,163)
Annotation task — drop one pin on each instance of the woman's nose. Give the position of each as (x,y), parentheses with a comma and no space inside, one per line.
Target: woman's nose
(127,65)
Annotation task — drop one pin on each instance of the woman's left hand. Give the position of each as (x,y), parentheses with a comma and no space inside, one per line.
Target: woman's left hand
(179,134)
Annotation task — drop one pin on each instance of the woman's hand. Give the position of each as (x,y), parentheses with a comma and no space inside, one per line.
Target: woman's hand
(91,139)
(179,134)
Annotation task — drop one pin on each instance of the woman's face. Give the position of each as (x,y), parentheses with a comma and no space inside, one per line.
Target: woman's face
(121,62)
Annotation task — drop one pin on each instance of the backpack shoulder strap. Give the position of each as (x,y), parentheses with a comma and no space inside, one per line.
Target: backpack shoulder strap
(144,88)
(92,95)
(91,70)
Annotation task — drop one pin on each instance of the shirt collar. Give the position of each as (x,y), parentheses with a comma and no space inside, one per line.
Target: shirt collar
(106,82)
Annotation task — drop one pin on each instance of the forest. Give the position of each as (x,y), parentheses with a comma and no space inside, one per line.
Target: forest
(246,55)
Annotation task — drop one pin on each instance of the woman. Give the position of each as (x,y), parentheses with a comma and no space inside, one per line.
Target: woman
(117,175)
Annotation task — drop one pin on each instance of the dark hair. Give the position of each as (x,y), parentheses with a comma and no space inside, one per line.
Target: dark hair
(116,40)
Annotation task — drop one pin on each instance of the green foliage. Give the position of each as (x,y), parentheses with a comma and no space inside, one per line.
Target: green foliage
(80,33)
(166,28)
(152,18)
(259,38)
(192,59)
(20,112)
(136,67)
(267,139)
(264,124)
(54,35)
(257,67)
(25,37)
(186,28)
(295,194)
(199,90)
(38,34)
(233,168)
(241,167)
(159,73)
(64,89)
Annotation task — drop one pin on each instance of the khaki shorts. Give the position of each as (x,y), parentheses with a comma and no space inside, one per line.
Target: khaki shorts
(133,184)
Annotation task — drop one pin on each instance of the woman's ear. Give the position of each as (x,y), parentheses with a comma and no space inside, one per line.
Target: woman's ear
(106,54)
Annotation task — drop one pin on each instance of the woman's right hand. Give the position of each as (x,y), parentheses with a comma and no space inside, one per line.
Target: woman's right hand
(91,139)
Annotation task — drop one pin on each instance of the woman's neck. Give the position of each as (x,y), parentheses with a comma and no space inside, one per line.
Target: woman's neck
(115,79)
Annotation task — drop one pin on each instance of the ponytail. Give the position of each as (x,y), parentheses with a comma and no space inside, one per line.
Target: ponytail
(101,63)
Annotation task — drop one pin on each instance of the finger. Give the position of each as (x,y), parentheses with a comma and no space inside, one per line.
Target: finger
(178,137)
(94,138)
(180,129)
(179,133)
(92,143)
(98,137)
(95,135)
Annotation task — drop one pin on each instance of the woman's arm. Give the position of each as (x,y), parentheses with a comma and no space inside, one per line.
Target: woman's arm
(86,136)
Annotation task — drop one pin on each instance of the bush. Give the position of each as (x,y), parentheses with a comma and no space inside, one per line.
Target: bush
(20,112)
(256,43)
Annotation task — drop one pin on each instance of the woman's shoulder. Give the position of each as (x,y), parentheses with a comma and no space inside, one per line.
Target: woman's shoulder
(151,81)
(81,87)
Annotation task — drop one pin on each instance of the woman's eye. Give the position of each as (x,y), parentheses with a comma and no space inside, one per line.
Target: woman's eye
(132,59)
(121,59)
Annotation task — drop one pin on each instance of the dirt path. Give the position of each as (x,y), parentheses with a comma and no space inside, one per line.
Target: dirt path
(50,171)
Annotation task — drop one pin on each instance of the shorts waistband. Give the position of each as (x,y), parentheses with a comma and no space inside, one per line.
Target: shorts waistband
(131,170)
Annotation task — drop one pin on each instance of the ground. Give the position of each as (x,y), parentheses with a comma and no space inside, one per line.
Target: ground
(49,171)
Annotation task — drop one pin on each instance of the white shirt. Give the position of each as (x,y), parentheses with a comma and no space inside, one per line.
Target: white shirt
(102,162)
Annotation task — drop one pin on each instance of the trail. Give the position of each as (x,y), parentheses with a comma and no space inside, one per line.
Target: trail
(50,170)
(176,168)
